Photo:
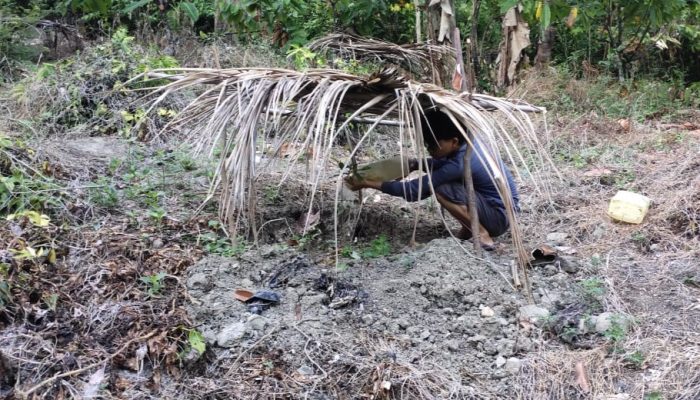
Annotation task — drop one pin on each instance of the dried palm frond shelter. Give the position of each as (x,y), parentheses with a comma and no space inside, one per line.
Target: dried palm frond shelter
(417,58)
(239,107)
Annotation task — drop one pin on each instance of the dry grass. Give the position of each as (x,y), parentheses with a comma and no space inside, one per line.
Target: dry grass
(648,270)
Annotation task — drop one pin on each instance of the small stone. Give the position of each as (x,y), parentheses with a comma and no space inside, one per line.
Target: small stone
(549,270)
(453,345)
(424,335)
(368,319)
(502,321)
(305,370)
(500,361)
(505,347)
(423,289)
(533,313)
(476,339)
(524,345)
(197,281)
(603,322)
(513,365)
(403,323)
(231,334)
(569,264)
(157,243)
(256,323)
(655,248)
(487,312)
(490,348)
(557,238)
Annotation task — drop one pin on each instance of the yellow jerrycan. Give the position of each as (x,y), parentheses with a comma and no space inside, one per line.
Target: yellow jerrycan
(628,207)
(384,170)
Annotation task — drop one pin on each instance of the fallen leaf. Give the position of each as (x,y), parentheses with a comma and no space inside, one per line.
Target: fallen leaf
(581,379)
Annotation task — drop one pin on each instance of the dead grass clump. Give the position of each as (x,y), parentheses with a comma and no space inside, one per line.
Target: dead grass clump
(366,368)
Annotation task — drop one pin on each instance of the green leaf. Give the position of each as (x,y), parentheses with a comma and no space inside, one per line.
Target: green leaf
(133,6)
(196,340)
(546,16)
(191,10)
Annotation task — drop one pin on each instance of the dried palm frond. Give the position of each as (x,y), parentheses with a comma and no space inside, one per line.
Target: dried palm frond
(416,58)
(239,107)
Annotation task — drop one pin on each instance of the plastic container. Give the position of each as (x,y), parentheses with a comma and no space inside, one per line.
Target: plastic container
(629,207)
(384,170)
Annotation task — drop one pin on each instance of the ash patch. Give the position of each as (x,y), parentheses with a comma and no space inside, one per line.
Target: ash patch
(436,308)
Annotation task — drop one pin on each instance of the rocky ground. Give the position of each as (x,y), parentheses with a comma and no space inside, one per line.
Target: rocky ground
(435,310)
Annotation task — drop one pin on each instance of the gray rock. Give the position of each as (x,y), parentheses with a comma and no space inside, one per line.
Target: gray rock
(453,345)
(513,365)
(569,264)
(549,270)
(533,313)
(603,322)
(487,312)
(490,348)
(476,339)
(368,319)
(197,281)
(231,334)
(524,345)
(256,323)
(505,347)
(403,323)
(500,361)
(557,238)
(424,335)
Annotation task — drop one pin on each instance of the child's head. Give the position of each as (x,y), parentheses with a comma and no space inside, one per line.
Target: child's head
(440,134)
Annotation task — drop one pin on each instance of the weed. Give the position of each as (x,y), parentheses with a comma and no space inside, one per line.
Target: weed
(157,214)
(637,359)
(379,247)
(114,165)
(305,240)
(154,283)
(616,332)
(653,396)
(272,194)
(104,194)
(196,341)
(349,252)
(593,290)
(214,244)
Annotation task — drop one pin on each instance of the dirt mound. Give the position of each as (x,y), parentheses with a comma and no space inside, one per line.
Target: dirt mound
(427,323)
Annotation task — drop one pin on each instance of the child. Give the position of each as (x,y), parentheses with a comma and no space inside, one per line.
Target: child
(447,147)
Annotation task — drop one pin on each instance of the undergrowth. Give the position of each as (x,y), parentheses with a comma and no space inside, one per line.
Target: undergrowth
(86,91)
(639,100)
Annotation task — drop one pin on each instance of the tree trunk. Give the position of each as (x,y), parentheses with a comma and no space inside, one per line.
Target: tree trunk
(544,50)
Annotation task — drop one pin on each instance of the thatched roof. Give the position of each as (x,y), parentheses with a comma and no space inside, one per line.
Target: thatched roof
(416,57)
(237,107)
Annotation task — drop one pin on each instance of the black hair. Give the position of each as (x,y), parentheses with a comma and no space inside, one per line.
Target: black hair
(437,125)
